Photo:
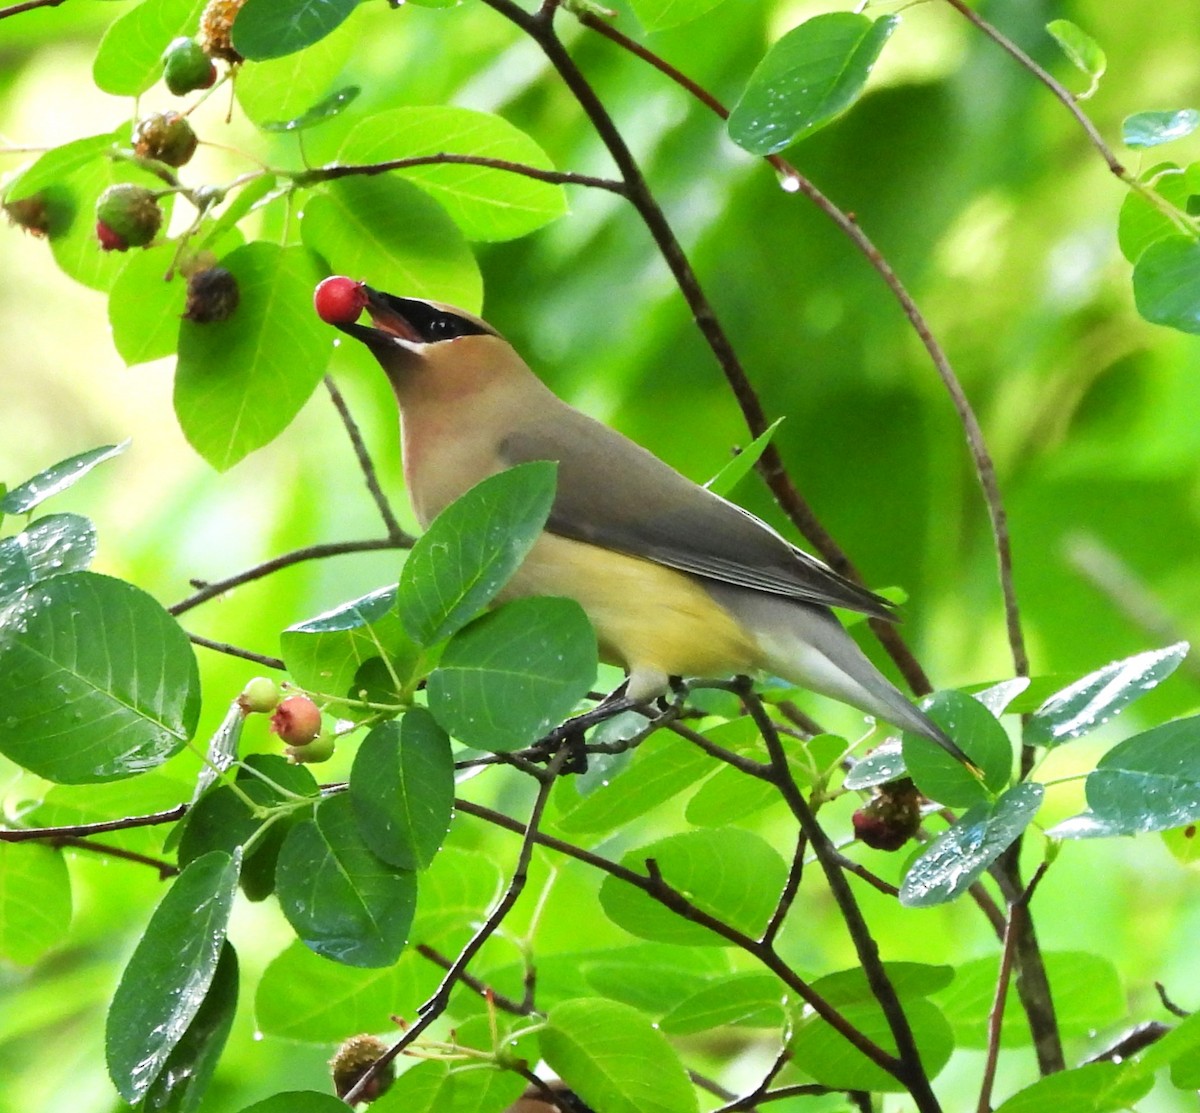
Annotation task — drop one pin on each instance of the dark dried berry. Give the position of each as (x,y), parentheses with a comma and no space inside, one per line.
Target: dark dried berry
(212,296)
(890,818)
(29,213)
(353,1059)
(165,136)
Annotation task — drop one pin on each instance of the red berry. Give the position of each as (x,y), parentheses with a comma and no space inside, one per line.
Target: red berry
(339,301)
(297,720)
(109,240)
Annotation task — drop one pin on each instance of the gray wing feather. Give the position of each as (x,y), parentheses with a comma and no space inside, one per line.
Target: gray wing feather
(615,494)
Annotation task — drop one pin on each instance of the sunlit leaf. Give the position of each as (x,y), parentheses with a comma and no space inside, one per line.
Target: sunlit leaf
(1083,51)
(129,60)
(938,774)
(614,1059)
(333,105)
(655,15)
(35,901)
(743,463)
(1166,283)
(240,381)
(1091,1088)
(57,478)
(279,90)
(51,546)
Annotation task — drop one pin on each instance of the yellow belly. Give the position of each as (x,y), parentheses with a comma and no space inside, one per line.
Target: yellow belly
(647,617)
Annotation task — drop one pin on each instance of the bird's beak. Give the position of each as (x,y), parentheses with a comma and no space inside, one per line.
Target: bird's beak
(389,328)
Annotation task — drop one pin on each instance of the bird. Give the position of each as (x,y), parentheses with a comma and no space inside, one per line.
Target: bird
(676,580)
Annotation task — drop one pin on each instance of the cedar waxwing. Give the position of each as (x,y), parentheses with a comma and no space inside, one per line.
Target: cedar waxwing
(676,580)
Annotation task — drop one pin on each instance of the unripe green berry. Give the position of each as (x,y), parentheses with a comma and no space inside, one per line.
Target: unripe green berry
(165,136)
(260,694)
(313,753)
(130,214)
(186,67)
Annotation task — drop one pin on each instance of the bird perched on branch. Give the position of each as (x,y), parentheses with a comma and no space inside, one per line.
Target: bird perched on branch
(676,580)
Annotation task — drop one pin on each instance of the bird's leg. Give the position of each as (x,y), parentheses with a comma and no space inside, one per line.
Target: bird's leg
(573,730)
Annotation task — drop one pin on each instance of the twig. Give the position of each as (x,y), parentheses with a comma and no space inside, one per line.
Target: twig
(1168,1004)
(83,830)
(1056,87)
(788,895)
(165,869)
(861,871)
(671,898)
(28,6)
(554,177)
(435,1005)
(236,651)
(770,464)
(1136,1039)
(746,1103)
(500,1000)
(910,1071)
(395,533)
(285,560)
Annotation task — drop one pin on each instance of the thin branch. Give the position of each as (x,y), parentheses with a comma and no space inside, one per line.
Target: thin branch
(165,869)
(28,6)
(1136,1039)
(861,871)
(500,1000)
(671,898)
(554,177)
(310,552)
(1051,83)
(435,1005)
(911,1070)
(791,887)
(236,651)
(635,188)
(1168,1004)
(747,1103)
(83,830)
(395,533)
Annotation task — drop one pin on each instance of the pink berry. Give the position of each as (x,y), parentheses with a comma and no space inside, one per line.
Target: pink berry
(339,301)
(297,720)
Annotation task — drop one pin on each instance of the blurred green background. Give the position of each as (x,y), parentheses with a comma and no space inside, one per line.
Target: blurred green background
(990,204)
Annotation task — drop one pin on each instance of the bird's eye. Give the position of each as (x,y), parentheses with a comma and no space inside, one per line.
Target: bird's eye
(444,328)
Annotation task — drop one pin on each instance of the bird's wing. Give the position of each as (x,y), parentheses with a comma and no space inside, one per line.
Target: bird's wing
(615,494)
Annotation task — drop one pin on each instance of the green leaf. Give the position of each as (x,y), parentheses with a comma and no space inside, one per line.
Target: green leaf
(76,707)
(730,873)
(1151,129)
(240,382)
(1083,51)
(620,974)
(402,789)
(743,463)
(656,15)
(662,768)
(974,728)
(302,996)
(1092,1088)
(950,864)
(71,805)
(298,1101)
(129,59)
(51,546)
(1166,283)
(326,654)
(56,479)
(883,764)
(273,28)
(486,203)
(1182,1041)
(456,892)
(343,901)
(249,196)
(614,1059)
(472,548)
(1142,221)
(59,163)
(824,1054)
(1097,697)
(750,1000)
(389,229)
(168,977)
(144,310)
(284,89)
(1087,991)
(1150,782)
(180,1085)
(728,796)
(513,674)
(808,78)
(222,820)
(35,901)
(325,109)
(420,1089)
